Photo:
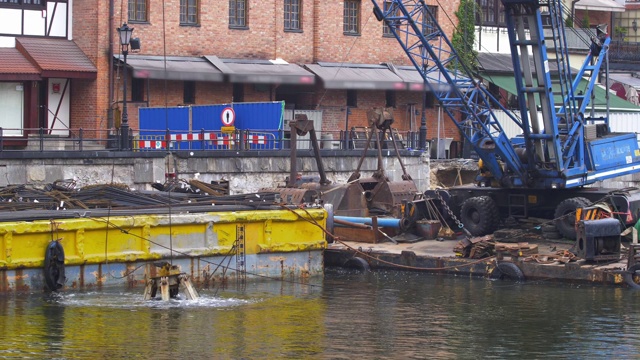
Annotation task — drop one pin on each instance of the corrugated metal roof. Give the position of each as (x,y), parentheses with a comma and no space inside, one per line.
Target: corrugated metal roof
(57,57)
(262,71)
(357,76)
(186,68)
(16,67)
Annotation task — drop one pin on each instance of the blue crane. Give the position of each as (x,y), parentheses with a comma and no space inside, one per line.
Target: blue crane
(560,151)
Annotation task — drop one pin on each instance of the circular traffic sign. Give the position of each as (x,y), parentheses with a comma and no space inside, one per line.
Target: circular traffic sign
(228,116)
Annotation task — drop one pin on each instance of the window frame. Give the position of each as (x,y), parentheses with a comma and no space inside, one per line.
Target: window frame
(493,10)
(184,5)
(135,4)
(238,92)
(390,98)
(290,12)
(189,92)
(138,89)
(349,16)
(386,31)
(233,19)
(427,21)
(352,98)
(19,4)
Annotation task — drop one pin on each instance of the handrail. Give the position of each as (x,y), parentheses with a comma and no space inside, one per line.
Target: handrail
(143,140)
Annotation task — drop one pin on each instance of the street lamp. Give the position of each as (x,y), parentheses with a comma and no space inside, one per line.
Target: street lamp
(422,135)
(125,38)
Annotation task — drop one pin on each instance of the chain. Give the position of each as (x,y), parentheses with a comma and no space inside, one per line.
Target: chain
(450,213)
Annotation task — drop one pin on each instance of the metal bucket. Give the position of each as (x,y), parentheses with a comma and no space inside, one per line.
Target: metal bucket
(428,229)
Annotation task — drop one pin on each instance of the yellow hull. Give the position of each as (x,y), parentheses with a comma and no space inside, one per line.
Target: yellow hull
(275,242)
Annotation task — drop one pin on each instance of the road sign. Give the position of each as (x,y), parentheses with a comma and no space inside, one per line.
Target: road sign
(228,116)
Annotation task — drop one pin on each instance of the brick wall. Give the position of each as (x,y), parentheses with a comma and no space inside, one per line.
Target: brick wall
(89,99)
(595,18)
(321,39)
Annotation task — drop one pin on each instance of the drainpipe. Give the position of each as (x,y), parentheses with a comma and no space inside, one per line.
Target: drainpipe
(110,122)
(315,32)
(573,13)
(275,29)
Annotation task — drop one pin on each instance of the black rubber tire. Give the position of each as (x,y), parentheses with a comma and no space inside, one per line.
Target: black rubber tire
(565,216)
(631,278)
(480,215)
(54,266)
(508,270)
(357,263)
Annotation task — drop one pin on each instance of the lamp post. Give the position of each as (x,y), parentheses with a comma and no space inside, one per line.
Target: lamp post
(125,38)
(422,135)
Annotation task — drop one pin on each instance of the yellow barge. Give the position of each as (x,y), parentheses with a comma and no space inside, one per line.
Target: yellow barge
(120,247)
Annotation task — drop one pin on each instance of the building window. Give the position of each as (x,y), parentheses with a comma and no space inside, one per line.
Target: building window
(386,31)
(238,13)
(26,3)
(390,98)
(352,98)
(137,89)
(238,93)
(292,15)
(431,25)
(189,92)
(12,105)
(491,13)
(189,12)
(138,10)
(352,17)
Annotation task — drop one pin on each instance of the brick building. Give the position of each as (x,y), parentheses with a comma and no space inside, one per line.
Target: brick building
(332,56)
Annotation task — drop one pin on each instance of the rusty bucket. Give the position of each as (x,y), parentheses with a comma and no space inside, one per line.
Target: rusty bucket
(428,229)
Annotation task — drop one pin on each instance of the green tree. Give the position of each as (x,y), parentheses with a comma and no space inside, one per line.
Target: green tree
(586,21)
(464,35)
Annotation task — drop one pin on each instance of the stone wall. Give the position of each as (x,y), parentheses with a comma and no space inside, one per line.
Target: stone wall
(245,173)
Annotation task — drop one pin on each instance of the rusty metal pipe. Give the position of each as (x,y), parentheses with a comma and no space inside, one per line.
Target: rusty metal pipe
(351,224)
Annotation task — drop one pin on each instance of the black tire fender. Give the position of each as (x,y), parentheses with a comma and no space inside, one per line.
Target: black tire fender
(357,262)
(508,270)
(565,220)
(628,276)
(54,266)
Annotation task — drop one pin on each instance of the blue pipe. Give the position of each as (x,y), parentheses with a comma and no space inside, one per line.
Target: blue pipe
(382,222)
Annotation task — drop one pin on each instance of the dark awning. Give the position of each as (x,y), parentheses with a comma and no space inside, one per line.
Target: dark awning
(262,71)
(186,68)
(57,58)
(415,82)
(16,67)
(357,76)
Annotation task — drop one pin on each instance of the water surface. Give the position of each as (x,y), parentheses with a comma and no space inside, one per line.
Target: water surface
(345,315)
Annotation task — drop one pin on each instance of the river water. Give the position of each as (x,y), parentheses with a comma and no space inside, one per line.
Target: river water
(345,315)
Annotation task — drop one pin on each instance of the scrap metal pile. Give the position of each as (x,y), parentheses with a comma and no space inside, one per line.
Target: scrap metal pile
(29,202)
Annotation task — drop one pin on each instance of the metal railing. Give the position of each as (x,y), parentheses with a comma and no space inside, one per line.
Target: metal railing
(624,51)
(80,139)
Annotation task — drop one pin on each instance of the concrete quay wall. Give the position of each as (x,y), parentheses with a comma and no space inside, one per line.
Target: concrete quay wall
(246,171)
